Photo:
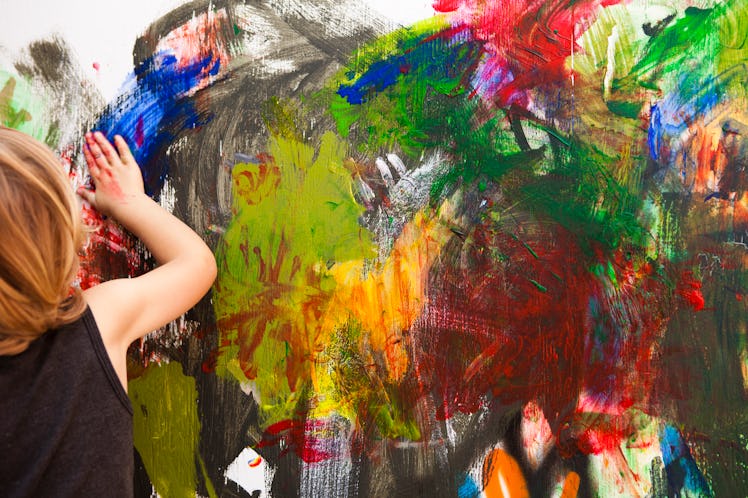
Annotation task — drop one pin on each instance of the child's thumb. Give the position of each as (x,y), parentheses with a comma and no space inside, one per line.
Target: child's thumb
(87,195)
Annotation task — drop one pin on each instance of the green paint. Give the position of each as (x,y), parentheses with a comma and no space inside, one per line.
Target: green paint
(23,110)
(166,428)
(574,184)
(668,230)
(668,50)
(206,479)
(283,118)
(361,390)
(11,117)
(625,109)
(581,193)
(537,284)
(730,48)
(429,108)
(295,217)
(534,254)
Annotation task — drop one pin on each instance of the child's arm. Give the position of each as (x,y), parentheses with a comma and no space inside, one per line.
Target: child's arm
(127,309)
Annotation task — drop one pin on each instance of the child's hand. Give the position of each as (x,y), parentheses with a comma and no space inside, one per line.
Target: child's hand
(116,175)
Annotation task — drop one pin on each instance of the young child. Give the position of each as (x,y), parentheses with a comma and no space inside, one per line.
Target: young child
(66,420)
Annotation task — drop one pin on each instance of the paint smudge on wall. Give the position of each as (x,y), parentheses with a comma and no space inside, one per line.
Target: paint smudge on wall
(499,252)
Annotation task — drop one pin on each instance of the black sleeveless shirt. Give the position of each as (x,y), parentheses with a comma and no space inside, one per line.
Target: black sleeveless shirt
(66,421)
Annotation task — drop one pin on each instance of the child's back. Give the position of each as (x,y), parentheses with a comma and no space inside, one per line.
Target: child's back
(66,423)
(66,420)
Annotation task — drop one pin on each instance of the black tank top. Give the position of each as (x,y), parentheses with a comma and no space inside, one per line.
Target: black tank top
(66,421)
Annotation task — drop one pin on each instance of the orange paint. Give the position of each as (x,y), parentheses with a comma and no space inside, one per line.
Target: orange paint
(571,486)
(502,476)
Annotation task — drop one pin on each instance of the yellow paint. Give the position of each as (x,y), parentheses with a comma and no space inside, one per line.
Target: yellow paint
(388,300)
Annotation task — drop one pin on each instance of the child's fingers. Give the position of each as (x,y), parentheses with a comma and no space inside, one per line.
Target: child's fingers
(88,195)
(98,155)
(123,149)
(106,148)
(93,168)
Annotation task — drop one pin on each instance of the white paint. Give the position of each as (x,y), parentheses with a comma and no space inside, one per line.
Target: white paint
(384,171)
(104,32)
(610,69)
(252,472)
(395,160)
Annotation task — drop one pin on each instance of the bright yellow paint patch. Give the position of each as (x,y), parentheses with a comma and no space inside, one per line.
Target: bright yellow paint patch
(388,300)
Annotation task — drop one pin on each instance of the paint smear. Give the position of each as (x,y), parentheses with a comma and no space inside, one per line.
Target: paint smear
(166,427)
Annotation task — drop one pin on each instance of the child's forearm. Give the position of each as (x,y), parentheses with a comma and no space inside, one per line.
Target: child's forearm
(165,236)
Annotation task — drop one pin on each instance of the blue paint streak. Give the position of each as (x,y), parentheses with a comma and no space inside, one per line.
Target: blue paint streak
(469,488)
(672,115)
(655,132)
(437,57)
(380,75)
(682,472)
(154,100)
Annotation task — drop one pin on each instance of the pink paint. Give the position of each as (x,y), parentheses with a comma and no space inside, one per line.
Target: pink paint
(536,433)
(198,39)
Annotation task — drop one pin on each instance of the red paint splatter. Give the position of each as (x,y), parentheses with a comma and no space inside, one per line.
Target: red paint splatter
(690,290)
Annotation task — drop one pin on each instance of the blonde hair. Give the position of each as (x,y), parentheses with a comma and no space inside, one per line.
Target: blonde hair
(40,234)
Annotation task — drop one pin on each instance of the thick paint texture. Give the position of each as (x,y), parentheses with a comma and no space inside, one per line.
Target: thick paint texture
(500,252)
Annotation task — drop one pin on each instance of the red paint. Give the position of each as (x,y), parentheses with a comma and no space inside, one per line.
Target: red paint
(690,291)
(209,365)
(532,39)
(139,135)
(306,438)
(489,329)
(447,5)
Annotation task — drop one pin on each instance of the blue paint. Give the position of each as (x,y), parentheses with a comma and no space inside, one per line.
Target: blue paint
(654,133)
(379,76)
(469,488)
(683,475)
(671,116)
(441,57)
(153,102)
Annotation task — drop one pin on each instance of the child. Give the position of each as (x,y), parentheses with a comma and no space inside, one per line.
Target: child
(66,421)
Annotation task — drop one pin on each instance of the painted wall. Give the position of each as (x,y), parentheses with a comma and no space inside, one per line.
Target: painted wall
(465,249)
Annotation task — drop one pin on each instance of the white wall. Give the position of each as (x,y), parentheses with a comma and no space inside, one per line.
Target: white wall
(102,33)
